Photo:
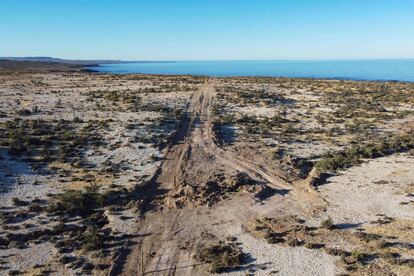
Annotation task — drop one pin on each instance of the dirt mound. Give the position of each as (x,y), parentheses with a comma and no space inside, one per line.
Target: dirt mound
(211,191)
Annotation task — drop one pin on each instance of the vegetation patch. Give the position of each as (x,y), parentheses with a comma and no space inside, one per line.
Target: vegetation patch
(354,155)
(377,248)
(220,257)
(77,202)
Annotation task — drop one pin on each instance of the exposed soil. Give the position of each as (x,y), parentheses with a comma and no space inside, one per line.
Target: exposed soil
(188,177)
(182,175)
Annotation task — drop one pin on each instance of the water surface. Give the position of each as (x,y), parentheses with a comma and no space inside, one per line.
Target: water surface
(399,70)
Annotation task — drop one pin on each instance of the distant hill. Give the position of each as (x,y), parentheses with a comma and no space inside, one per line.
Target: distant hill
(19,65)
(51,64)
(59,60)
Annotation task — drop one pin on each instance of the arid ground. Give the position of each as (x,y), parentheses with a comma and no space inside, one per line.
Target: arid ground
(187,175)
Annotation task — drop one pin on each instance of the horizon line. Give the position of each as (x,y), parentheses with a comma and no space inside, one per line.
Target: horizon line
(205,60)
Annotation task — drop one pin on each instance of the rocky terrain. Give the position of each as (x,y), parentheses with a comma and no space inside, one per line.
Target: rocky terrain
(180,175)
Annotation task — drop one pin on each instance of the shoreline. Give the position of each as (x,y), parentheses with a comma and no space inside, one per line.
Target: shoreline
(353,70)
(7,66)
(89,69)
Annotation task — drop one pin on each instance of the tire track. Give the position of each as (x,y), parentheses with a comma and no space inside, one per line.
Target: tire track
(194,144)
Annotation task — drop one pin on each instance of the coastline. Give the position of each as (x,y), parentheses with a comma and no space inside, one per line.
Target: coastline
(353,70)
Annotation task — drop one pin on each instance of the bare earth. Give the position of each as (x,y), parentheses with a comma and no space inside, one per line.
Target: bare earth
(181,175)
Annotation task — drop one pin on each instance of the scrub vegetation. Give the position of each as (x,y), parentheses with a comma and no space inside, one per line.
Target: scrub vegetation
(133,174)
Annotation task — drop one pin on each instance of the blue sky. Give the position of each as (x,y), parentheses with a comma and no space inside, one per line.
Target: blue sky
(207,29)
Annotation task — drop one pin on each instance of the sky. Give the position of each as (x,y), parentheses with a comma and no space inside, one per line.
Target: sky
(207,29)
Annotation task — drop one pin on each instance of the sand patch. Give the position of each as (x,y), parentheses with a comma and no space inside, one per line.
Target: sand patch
(375,187)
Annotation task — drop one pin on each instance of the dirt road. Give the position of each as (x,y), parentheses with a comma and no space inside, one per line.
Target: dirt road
(170,235)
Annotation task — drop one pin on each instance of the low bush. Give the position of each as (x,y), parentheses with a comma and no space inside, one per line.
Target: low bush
(221,257)
(23,112)
(328,224)
(92,240)
(18,202)
(354,155)
(77,202)
(335,251)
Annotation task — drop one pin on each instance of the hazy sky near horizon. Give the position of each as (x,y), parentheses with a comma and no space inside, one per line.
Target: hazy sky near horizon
(207,29)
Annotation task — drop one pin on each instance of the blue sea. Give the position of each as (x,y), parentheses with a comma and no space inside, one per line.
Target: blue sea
(378,70)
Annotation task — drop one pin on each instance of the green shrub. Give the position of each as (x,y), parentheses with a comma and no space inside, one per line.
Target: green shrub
(354,155)
(327,224)
(80,202)
(358,255)
(92,240)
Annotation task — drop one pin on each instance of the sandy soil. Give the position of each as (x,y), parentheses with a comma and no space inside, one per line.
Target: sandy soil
(199,148)
(377,187)
(269,259)
(188,161)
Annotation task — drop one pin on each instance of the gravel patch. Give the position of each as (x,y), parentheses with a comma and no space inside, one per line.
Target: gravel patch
(22,259)
(299,261)
(360,193)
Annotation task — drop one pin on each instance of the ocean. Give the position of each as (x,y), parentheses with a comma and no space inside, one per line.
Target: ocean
(378,70)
